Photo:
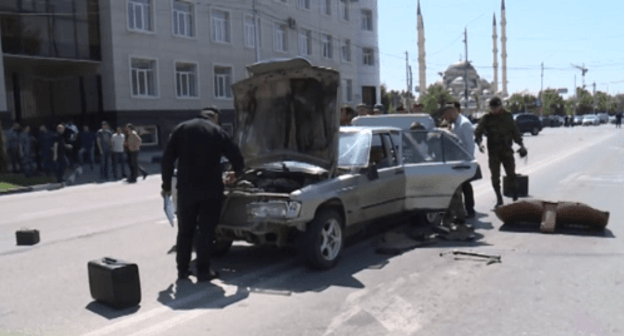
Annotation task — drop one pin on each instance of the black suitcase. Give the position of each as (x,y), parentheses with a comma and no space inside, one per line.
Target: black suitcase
(523,186)
(114,282)
(27,236)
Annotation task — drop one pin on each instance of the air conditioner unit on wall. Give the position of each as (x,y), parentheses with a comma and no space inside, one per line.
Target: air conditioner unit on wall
(292,23)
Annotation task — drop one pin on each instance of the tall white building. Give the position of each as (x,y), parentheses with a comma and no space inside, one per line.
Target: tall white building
(158,62)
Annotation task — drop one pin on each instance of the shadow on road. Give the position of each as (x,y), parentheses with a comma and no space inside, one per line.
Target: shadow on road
(273,271)
(565,230)
(109,312)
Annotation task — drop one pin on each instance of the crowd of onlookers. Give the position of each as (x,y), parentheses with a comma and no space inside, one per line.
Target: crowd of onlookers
(63,149)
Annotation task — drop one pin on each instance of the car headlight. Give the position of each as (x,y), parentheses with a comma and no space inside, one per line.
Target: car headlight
(274,209)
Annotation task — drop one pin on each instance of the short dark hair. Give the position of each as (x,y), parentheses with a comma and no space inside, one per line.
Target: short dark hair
(349,110)
(210,113)
(417,126)
(447,107)
(495,102)
(130,126)
(457,105)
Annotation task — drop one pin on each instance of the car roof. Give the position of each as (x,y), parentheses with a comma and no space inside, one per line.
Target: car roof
(375,129)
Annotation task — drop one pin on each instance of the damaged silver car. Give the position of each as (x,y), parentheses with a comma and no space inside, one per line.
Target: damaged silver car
(309,183)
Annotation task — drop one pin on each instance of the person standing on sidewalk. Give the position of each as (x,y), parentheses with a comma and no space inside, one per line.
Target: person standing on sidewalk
(26,144)
(59,153)
(87,145)
(198,145)
(501,131)
(134,145)
(118,153)
(13,148)
(46,142)
(104,137)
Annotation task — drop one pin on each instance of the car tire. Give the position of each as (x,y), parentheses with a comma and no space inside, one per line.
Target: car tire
(220,248)
(535,131)
(324,239)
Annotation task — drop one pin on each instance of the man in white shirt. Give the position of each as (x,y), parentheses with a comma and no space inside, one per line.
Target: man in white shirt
(117,141)
(464,130)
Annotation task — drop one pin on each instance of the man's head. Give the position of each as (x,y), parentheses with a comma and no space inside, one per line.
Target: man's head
(379,107)
(417,126)
(457,106)
(211,113)
(85,128)
(449,113)
(43,128)
(347,113)
(105,125)
(417,108)
(401,109)
(496,105)
(26,129)
(60,128)
(362,109)
(118,129)
(376,111)
(130,127)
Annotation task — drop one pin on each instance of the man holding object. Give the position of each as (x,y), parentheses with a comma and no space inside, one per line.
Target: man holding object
(198,145)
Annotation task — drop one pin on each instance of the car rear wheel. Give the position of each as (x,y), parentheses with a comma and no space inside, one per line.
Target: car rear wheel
(324,239)
(535,131)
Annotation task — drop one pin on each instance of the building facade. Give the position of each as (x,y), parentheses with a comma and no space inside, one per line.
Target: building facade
(160,62)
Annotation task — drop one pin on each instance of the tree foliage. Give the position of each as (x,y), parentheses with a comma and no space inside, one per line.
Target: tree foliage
(521,102)
(435,97)
(552,102)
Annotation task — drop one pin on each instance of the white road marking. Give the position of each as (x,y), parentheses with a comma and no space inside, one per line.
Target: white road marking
(181,316)
(481,190)
(568,179)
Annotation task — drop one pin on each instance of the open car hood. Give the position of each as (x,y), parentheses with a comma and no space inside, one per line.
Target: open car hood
(287,111)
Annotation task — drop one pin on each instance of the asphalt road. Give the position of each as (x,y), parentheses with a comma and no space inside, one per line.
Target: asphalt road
(568,283)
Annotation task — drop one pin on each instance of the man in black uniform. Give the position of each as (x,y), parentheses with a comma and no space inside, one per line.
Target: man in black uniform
(198,145)
(500,129)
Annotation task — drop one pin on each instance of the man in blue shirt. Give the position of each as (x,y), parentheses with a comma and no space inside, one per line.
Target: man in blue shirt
(87,145)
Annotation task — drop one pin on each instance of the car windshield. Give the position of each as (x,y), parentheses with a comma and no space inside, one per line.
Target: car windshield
(354,149)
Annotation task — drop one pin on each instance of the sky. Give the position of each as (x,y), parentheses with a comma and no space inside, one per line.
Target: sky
(557,33)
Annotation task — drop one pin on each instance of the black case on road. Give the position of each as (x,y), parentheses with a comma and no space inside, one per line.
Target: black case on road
(523,186)
(27,236)
(114,282)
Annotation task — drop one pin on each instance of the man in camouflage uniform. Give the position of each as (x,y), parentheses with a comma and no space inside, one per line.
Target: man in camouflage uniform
(501,131)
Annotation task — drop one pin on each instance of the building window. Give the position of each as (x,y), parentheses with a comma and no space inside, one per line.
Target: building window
(345,10)
(348,90)
(250,32)
(140,15)
(223,82)
(220,26)
(326,7)
(148,134)
(305,42)
(303,4)
(143,73)
(280,38)
(346,51)
(367,19)
(186,80)
(183,19)
(369,56)
(327,47)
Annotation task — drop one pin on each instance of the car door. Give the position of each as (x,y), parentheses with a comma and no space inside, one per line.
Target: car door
(384,195)
(435,166)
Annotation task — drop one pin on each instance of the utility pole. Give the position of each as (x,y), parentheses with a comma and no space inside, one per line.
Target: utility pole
(542,89)
(466,70)
(594,102)
(256,37)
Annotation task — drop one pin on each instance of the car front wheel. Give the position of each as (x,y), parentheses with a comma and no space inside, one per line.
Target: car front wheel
(324,239)
(535,131)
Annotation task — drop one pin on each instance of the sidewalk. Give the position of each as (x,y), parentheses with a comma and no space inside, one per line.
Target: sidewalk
(75,177)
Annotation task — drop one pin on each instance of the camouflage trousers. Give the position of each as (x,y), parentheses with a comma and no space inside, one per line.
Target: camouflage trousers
(503,156)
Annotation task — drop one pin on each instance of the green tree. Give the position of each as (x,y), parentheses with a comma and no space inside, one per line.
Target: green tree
(584,101)
(435,97)
(552,102)
(521,102)
(385,96)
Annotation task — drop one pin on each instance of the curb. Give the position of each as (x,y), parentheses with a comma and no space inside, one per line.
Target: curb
(38,187)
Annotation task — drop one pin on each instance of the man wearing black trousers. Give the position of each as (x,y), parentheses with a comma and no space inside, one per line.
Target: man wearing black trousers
(198,145)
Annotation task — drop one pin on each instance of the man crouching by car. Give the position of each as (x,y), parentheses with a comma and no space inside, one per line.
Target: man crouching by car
(198,145)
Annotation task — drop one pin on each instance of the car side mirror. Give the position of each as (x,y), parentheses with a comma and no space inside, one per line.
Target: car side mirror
(372,173)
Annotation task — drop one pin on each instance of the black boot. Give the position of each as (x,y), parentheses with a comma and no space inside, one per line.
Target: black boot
(499,199)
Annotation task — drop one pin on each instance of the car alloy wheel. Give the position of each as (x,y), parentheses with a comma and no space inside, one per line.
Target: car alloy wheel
(535,131)
(324,239)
